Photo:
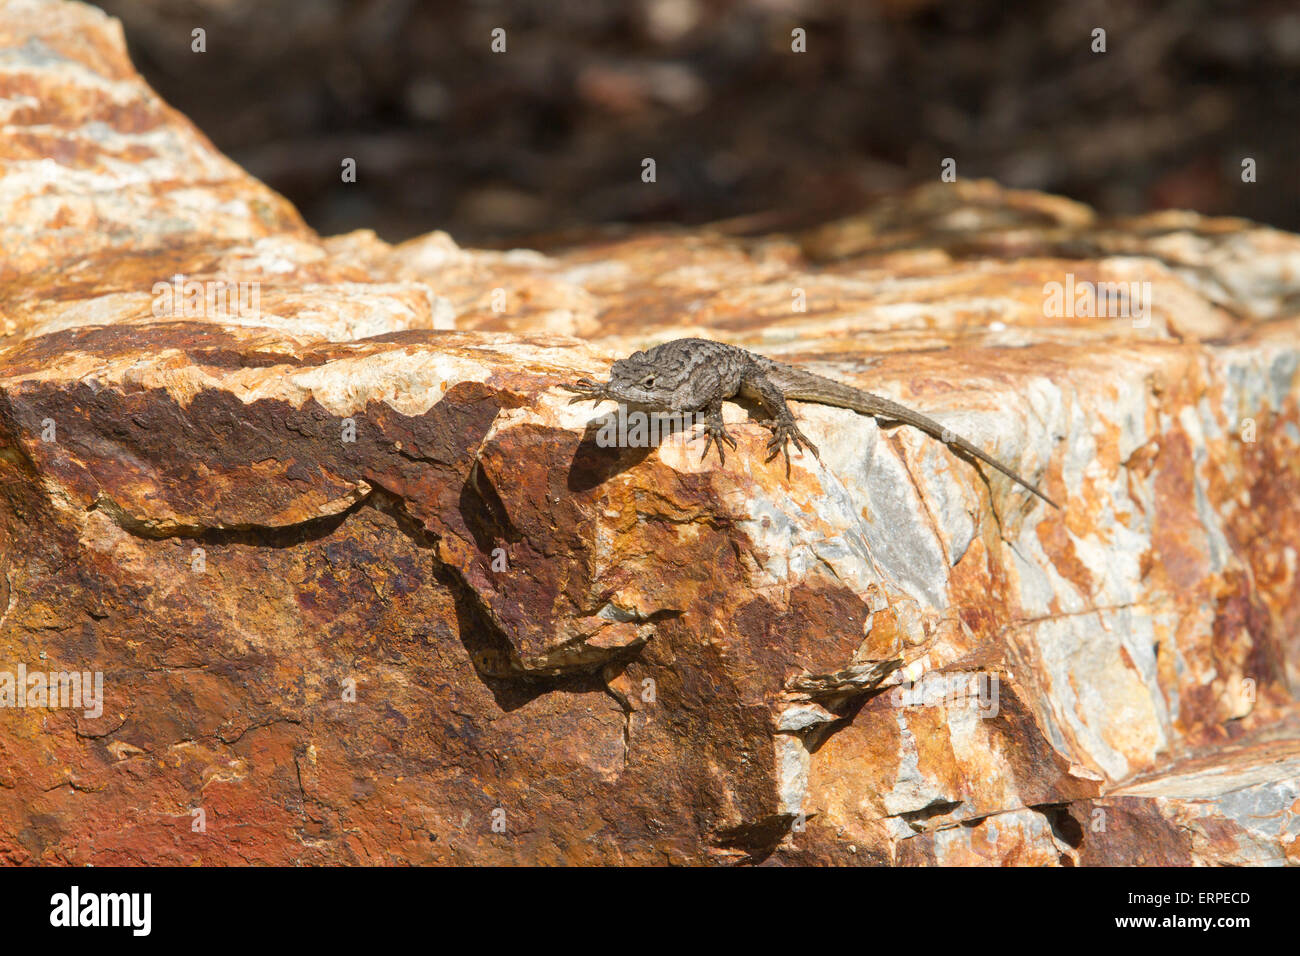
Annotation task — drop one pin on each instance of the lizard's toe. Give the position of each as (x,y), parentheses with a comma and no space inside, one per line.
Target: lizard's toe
(585,390)
(783,433)
(711,441)
(801,441)
(716,435)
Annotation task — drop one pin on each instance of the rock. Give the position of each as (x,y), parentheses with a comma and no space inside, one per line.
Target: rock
(363,586)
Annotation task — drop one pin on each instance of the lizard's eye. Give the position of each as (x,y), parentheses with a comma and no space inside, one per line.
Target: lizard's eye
(649,382)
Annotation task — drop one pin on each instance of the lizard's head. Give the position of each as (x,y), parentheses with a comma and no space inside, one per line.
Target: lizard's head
(639,380)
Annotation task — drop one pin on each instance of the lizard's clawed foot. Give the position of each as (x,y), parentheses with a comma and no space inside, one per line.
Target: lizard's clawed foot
(784,432)
(587,391)
(716,435)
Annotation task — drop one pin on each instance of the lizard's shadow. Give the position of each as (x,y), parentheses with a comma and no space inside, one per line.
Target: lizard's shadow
(609,447)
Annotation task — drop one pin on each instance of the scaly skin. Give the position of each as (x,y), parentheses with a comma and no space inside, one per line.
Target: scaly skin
(697,375)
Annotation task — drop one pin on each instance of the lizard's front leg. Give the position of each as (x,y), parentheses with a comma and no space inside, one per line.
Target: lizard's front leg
(715,431)
(586,391)
(759,387)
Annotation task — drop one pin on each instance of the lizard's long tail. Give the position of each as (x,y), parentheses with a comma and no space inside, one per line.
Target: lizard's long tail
(827,391)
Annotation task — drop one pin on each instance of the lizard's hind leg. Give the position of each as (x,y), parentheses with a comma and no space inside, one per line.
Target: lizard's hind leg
(785,429)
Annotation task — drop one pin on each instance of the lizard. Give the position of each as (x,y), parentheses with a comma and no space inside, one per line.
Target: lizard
(697,375)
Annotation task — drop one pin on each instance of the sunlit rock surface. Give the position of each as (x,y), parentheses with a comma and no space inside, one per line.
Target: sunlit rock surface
(363,586)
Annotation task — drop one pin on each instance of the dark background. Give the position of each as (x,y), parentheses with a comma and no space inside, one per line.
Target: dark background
(546,139)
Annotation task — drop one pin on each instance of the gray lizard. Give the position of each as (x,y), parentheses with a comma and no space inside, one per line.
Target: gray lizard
(697,375)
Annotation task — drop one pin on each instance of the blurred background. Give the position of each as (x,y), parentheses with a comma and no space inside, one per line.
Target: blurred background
(545,141)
